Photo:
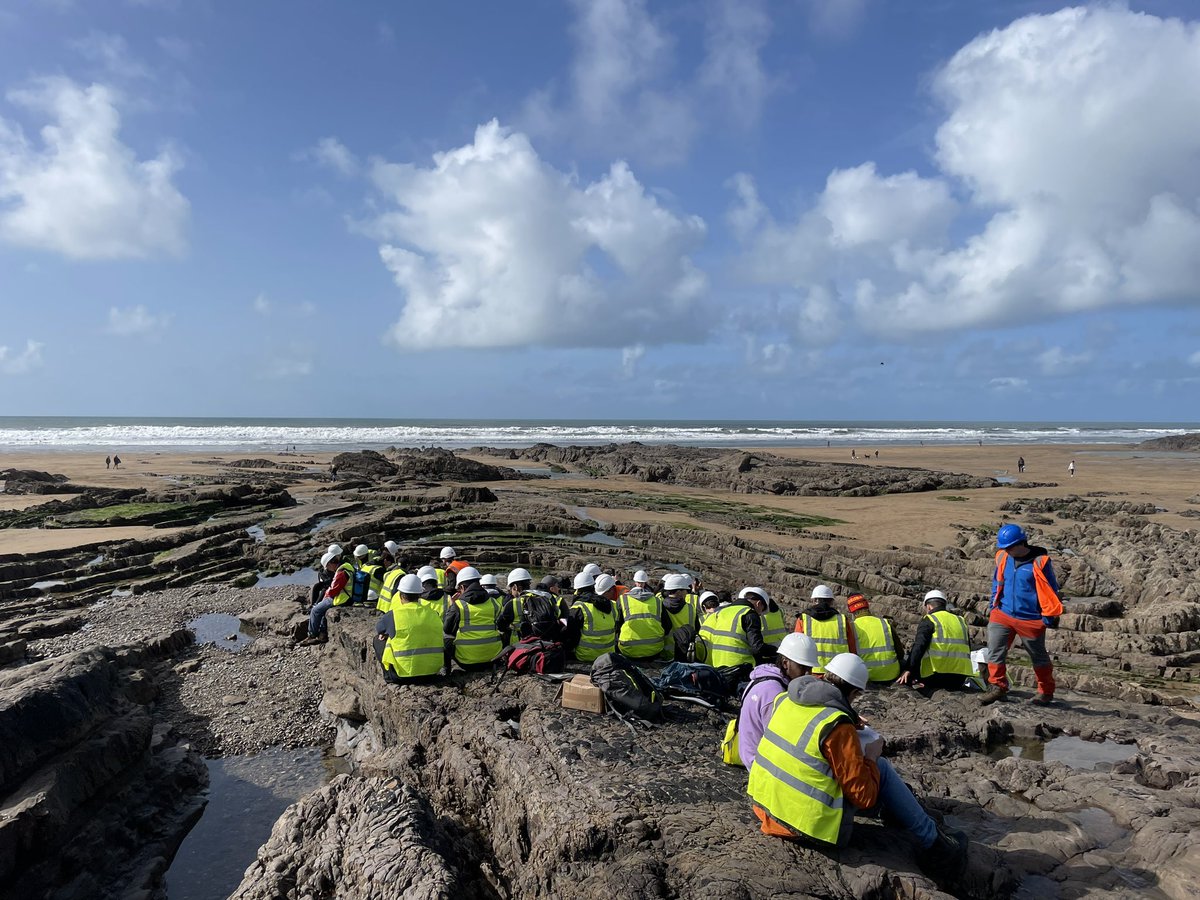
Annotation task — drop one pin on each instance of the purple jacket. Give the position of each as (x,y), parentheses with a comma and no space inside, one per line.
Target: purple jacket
(757,706)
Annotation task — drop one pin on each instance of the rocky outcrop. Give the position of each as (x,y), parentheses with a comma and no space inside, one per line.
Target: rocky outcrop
(1177,442)
(368,838)
(94,797)
(436,464)
(28,481)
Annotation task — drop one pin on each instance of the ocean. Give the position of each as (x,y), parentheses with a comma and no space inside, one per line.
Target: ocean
(74,434)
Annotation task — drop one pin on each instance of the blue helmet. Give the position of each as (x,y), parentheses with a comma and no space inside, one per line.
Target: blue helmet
(1009,535)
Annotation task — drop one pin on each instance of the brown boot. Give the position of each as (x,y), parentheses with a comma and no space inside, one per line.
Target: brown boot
(1042,699)
(311,640)
(994,693)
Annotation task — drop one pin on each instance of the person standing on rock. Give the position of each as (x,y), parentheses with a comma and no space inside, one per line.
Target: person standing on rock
(1025,602)
(797,656)
(592,623)
(830,630)
(876,641)
(735,643)
(814,772)
(337,594)
(409,642)
(471,619)
(941,652)
(433,595)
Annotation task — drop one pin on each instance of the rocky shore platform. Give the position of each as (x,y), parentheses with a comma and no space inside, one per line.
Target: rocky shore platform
(125,662)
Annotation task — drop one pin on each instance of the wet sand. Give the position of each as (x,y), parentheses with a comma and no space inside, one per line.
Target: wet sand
(930,519)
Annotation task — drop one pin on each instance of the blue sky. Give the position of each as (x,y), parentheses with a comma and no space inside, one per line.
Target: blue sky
(802,209)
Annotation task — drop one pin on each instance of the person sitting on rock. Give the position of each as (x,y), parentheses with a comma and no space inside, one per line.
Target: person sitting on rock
(409,641)
(773,626)
(830,630)
(448,565)
(471,619)
(709,602)
(682,614)
(813,772)
(1025,602)
(488,583)
(591,623)
(374,570)
(735,642)
(528,612)
(941,652)
(797,656)
(392,574)
(433,595)
(337,594)
(324,576)
(641,580)
(876,641)
(642,622)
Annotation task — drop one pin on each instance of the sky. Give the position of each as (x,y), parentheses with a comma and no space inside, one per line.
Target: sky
(711,209)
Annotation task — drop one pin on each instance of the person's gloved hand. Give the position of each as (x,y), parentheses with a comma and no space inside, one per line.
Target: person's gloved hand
(1050,621)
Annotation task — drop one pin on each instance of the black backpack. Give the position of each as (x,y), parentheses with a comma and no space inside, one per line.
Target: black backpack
(539,617)
(696,679)
(626,687)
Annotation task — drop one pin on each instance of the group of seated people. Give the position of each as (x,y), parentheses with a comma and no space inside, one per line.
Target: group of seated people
(813,762)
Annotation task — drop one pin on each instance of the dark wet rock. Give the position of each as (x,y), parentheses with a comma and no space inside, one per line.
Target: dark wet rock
(437,464)
(1079,508)
(264,464)
(471,495)
(28,481)
(368,465)
(1177,442)
(368,838)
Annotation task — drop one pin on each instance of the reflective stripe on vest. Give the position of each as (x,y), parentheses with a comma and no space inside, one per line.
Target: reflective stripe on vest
(642,633)
(790,777)
(477,639)
(376,574)
(347,591)
(419,646)
(877,647)
(773,628)
(1048,600)
(391,579)
(599,632)
(948,653)
(726,637)
(441,577)
(829,636)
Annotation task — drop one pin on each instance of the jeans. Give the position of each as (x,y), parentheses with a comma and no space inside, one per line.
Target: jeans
(316,618)
(897,800)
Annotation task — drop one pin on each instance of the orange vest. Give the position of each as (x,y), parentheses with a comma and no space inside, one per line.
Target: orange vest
(1048,600)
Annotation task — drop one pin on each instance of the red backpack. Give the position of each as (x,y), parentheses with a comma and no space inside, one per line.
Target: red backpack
(532,656)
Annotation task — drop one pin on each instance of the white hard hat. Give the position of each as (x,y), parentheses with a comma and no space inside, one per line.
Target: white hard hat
(372,596)
(604,584)
(799,648)
(592,569)
(822,592)
(688,580)
(584,580)
(465,574)
(329,557)
(708,594)
(488,580)
(675,583)
(519,574)
(411,584)
(640,576)
(361,550)
(746,591)
(335,549)
(447,553)
(427,573)
(850,668)
(391,547)
(934,595)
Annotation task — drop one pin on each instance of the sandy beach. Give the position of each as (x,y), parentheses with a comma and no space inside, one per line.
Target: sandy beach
(1169,481)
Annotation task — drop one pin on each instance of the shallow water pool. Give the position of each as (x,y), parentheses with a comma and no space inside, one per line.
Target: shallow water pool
(218,628)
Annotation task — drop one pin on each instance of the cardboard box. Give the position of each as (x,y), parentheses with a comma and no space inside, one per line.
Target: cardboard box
(580,693)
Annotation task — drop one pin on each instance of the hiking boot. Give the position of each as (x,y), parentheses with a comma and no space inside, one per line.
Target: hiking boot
(1042,699)
(992,694)
(311,640)
(946,858)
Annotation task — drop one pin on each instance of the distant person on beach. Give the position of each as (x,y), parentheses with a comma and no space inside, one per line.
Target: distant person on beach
(1071,468)
(1020,464)
(1025,602)
(117,463)
(877,454)
(853,454)
(108,462)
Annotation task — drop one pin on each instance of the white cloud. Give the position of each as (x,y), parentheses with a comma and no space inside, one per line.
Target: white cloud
(111,54)
(83,193)
(835,18)
(333,154)
(621,97)
(1194,359)
(733,69)
(1057,361)
(135,321)
(630,357)
(1009,385)
(262,305)
(1073,136)
(21,363)
(495,248)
